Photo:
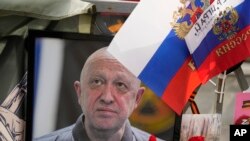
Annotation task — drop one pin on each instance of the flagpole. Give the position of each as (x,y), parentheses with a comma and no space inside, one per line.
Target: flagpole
(220,92)
(241,79)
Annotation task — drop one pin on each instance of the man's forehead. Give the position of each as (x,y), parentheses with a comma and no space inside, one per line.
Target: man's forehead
(100,65)
(104,65)
(105,62)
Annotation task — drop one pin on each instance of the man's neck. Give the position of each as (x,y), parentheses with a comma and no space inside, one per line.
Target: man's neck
(104,135)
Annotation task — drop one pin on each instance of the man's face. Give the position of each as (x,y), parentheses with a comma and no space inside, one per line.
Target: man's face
(108,94)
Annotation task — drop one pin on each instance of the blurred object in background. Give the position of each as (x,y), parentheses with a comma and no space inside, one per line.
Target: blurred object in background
(12,122)
(107,24)
(242,109)
(154,116)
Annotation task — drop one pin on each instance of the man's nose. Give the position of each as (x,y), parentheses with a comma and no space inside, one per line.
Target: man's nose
(107,95)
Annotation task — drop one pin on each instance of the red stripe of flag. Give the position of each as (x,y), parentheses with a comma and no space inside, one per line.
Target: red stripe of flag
(187,80)
(220,58)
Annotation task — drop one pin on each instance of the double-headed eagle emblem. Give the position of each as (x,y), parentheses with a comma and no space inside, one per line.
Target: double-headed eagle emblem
(189,13)
(186,16)
(224,24)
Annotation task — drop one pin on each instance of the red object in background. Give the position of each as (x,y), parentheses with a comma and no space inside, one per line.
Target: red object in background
(197,138)
(243,120)
(152,138)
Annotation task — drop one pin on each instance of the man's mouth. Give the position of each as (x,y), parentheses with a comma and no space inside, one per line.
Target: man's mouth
(106,110)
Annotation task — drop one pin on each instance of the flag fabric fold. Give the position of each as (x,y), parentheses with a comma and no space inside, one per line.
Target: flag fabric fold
(222,37)
(148,46)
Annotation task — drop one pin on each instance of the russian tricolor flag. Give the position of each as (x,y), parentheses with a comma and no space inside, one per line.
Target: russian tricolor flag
(148,46)
(220,38)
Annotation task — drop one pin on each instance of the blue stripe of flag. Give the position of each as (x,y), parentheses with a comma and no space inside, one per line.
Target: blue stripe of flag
(164,64)
(211,40)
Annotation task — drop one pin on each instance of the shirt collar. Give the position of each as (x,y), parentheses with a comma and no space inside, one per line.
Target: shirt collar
(79,132)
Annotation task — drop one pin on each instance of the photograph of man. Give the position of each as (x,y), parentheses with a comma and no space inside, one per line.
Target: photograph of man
(107,93)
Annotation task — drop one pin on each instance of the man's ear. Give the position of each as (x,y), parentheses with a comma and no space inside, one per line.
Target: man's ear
(77,86)
(139,95)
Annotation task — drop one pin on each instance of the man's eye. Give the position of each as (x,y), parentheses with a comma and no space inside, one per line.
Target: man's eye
(121,86)
(96,82)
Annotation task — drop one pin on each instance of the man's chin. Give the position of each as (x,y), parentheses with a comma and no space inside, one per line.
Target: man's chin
(105,127)
(106,124)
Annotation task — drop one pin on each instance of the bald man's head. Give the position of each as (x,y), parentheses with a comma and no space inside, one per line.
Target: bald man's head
(102,55)
(107,92)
